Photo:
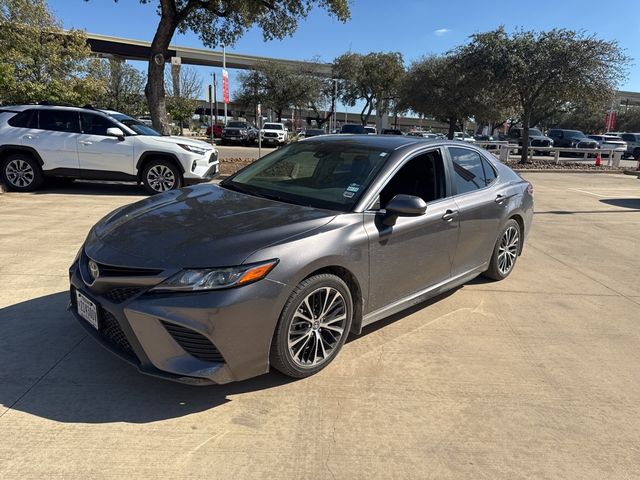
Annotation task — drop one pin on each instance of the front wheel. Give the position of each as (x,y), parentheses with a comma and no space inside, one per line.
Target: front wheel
(313,326)
(505,251)
(161,176)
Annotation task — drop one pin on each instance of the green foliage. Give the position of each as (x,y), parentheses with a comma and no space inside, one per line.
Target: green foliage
(542,72)
(629,121)
(123,87)
(277,87)
(374,78)
(39,60)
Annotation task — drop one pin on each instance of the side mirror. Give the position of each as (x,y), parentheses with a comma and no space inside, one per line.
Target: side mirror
(115,132)
(404,206)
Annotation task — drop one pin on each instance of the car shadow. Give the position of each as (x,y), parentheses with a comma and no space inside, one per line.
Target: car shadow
(631,203)
(88,187)
(52,369)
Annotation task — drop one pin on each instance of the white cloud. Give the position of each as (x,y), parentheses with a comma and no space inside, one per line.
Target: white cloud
(441,31)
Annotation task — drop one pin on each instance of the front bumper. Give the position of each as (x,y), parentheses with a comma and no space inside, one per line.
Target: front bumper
(195,338)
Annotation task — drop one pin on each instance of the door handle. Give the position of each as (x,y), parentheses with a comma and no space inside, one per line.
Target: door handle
(84,142)
(500,198)
(449,215)
(29,137)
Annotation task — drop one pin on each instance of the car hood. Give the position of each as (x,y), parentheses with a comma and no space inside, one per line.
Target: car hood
(198,227)
(173,140)
(540,137)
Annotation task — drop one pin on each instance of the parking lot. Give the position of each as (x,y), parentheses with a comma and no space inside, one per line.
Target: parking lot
(533,377)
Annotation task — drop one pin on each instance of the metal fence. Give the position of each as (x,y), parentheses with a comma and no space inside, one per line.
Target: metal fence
(504,149)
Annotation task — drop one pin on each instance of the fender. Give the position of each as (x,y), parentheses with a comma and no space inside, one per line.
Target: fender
(7,149)
(153,153)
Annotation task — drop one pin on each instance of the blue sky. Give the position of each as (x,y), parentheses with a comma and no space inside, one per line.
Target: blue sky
(412,27)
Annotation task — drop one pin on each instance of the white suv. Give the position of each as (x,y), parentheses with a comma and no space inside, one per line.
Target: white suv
(40,141)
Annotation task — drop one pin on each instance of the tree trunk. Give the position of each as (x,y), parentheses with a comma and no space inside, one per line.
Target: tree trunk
(364,118)
(155,75)
(524,151)
(452,128)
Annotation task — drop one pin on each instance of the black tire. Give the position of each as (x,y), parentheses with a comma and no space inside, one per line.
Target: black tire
(21,173)
(292,322)
(636,154)
(160,176)
(501,265)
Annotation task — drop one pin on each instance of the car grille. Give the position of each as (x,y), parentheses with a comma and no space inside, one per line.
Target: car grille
(119,295)
(587,145)
(271,134)
(233,132)
(540,143)
(213,157)
(112,332)
(193,343)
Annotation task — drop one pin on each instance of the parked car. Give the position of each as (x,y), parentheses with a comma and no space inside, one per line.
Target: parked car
(274,134)
(217,131)
(422,134)
(536,137)
(391,131)
(311,132)
(371,130)
(42,141)
(281,262)
(463,137)
(633,145)
(610,142)
(571,139)
(239,132)
(353,128)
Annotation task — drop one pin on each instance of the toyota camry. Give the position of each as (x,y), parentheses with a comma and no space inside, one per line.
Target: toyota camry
(279,263)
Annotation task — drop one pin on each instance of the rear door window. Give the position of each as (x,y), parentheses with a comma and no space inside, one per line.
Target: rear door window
(470,171)
(26,119)
(59,121)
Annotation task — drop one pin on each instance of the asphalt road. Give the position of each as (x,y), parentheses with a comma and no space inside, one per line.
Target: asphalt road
(532,377)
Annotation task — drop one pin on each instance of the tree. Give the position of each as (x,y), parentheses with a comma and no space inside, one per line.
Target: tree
(124,87)
(184,87)
(629,120)
(276,86)
(543,71)
(374,78)
(443,87)
(39,60)
(221,22)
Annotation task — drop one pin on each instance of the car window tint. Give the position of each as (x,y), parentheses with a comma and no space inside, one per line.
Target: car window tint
(93,124)
(26,119)
(422,176)
(468,172)
(489,172)
(59,120)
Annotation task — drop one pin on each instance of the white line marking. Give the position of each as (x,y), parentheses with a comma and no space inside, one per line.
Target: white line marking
(588,193)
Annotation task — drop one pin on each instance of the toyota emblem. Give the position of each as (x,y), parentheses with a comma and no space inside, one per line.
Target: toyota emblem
(94,270)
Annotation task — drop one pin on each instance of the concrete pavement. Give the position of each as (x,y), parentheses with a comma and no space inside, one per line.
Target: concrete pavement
(532,377)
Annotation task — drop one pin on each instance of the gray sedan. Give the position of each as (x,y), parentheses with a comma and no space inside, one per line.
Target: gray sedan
(282,261)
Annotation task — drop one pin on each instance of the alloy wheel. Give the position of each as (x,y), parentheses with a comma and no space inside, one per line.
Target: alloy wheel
(160,178)
(508,250)
(317,327)
(19,173)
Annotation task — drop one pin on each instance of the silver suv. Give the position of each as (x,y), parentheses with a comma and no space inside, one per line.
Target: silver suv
(633,144)
(40,141)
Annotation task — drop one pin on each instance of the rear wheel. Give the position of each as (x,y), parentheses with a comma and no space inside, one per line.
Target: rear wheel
(21,173)
(313,326)
(636,154)
(505,251)
(161,176)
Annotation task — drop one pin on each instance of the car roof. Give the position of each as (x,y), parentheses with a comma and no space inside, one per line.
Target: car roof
(21,108)
(388,142)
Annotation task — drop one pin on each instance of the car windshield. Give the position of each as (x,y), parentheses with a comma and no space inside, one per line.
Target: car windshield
(574,134)
(534,132)
(272,126)
(237,125)
(320,175)
(135,125)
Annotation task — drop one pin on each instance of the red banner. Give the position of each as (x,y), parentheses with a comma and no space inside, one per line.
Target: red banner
(610,120)
(225,86)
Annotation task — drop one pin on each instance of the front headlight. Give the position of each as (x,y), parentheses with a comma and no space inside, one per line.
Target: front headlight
(195,280)
(192,149)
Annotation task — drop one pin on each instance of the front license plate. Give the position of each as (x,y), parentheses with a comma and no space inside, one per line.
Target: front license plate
(87,309)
